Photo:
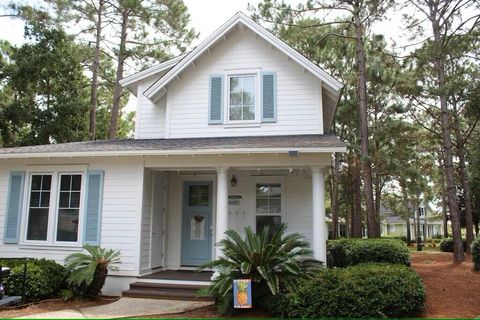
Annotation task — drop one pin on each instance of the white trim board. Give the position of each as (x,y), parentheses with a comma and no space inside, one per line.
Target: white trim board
(170,152)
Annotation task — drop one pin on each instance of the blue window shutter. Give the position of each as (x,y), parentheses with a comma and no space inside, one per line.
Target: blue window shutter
(93,207)
(269,97)
(215,99)
(14,207)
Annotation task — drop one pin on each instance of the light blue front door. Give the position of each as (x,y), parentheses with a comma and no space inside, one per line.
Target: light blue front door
(196,223)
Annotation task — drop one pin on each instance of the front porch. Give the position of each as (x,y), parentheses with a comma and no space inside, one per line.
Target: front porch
(234,199)
(187,209)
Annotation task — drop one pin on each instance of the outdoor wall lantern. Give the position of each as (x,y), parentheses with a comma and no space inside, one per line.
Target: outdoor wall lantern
(233,181)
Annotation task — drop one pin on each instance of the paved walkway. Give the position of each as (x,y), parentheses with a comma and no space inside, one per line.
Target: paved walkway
(125,308)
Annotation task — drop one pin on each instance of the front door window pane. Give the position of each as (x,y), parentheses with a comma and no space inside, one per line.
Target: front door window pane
(242,98)
(198,196)
(69,207)
(39,206)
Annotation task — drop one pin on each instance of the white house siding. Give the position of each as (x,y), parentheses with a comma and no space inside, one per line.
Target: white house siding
(298,92)
(122,202)
(297,201)
(150,117)
(146,222)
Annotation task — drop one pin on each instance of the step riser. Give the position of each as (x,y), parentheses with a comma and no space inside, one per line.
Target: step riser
(166,297)
(165,291)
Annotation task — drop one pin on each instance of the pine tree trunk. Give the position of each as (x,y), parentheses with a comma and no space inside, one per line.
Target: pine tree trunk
(418,238)
(357,201)
(409,235)
(377,202)
(335,196)
(95,69)
(444,196)
(363,123)
(464,181)
(458,254)
(117,93)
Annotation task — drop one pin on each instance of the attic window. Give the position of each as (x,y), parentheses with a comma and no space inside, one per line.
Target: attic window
(241,98)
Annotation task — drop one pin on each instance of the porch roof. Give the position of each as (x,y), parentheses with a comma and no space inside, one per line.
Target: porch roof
(186,146)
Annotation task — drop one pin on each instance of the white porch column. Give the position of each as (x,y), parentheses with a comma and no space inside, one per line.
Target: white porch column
(222,206)
(320,235)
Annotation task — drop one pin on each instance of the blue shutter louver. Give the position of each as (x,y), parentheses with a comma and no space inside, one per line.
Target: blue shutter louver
(14,207)
(215,100)
(269,97)
(93,207)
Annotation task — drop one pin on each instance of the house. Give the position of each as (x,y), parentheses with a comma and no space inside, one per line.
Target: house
(431,223)
(233,133)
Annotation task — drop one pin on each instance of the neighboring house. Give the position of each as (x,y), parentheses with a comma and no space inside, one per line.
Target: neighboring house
(232,134)
(431,223)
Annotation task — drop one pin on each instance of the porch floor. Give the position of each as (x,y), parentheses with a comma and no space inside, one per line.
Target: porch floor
(185,275)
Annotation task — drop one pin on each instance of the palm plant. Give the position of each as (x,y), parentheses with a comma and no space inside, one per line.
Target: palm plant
(271,260)
(87,272)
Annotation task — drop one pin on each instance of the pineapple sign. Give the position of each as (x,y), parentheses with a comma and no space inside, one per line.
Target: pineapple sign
(242,293)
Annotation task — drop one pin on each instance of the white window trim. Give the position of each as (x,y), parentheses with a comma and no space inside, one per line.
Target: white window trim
(282,214)
(81,215)
(55,171)
(258,96)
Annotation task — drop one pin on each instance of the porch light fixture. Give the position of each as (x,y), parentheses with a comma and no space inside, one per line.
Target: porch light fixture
(233,181)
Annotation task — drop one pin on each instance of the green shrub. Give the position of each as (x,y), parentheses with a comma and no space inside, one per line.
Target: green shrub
(349,252)
(476,254)
(87,272)
(364,290)
(446,245)
(271,260)
(403,238)
(45,278)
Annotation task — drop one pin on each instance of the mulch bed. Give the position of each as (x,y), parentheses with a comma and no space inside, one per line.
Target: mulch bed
(452,289)
(50,305)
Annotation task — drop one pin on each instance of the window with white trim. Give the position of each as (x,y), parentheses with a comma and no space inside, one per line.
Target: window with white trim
(268,206)
(68,215)
(242,98)
(54,211)
(39,207)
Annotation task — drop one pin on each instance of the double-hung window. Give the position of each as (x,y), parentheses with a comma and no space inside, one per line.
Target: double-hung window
(68,216)
(242,98)
(54,208)
(268,205)
(39,207)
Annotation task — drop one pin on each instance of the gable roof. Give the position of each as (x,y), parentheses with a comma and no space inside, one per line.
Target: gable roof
(157,90)
(131,81)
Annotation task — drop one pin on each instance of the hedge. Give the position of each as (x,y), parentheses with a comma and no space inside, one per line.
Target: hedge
(476,254)
(349,252)
(45,278)
(446,245)
(364,290)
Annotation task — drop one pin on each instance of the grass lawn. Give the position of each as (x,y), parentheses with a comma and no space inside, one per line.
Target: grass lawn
(424,249)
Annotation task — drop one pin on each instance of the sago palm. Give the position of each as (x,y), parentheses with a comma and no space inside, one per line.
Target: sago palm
(271,261)
(87,272)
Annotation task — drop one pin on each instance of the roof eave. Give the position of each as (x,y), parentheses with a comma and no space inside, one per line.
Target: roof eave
(170,152)
(139,76)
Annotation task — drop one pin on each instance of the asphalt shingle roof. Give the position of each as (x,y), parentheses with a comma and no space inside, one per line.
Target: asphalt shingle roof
(255,142)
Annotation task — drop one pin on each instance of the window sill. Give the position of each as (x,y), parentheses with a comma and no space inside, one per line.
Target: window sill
(29,246)
(241,125)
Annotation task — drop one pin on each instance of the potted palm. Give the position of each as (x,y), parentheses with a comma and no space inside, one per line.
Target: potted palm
(88,271)
(271,260)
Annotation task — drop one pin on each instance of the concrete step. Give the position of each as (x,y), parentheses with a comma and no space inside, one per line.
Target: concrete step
(165,291)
